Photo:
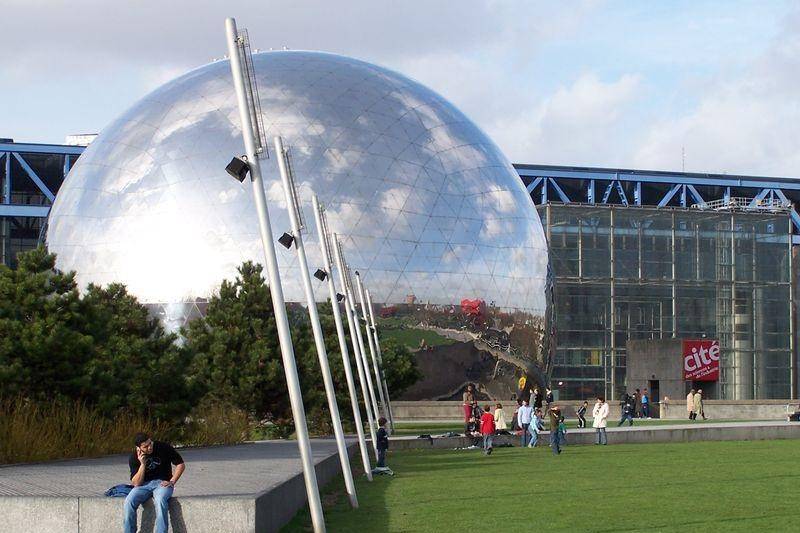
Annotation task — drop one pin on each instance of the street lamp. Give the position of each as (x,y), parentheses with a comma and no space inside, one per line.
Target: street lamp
(324,244)
(371,343)
(296,219)
(358,343)
(380,357)
(238,51)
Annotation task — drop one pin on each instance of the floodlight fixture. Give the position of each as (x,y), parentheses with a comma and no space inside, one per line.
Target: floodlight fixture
(320,274)
(286,240)
(238,168)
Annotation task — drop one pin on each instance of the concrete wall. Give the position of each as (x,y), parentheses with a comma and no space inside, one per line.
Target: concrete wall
(627,435)
(656,360)
(675,409)
(264,512)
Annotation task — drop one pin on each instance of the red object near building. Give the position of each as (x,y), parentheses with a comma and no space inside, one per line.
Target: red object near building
(700,360)
(473,308)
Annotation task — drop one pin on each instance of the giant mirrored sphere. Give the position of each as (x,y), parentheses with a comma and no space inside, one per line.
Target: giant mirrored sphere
(427,208)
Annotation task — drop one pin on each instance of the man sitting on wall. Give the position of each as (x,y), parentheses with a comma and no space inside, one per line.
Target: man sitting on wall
(152,477)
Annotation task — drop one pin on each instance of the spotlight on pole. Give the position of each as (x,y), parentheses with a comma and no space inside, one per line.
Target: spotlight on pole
(238,168)
(286,240)
(339,296)
(320,274)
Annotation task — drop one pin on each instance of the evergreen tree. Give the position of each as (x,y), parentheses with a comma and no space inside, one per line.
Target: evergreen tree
(43,346)
(234,349)
(134,362)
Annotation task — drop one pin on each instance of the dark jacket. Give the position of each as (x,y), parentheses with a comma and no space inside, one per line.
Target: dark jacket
(383,439)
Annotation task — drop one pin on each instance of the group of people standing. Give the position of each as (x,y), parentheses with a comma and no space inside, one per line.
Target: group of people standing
(694,404)
(532,412)
(527,420)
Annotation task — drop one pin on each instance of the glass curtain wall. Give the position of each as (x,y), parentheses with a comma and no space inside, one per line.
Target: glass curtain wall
(653,273)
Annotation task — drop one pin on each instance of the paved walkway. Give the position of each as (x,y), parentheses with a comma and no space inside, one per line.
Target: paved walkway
(241,470)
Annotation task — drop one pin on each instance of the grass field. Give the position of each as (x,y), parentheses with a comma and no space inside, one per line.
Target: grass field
(702,486)
(411,337)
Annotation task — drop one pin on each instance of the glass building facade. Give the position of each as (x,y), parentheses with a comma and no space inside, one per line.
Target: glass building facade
(625,272)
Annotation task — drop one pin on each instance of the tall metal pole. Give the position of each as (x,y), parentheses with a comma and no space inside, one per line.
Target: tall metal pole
(380,358)
(324,244)
(275,288)
(354,338)
(293,206)
(371,342)
(363,351)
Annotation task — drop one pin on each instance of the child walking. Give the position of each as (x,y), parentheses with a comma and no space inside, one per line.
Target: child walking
(487,429)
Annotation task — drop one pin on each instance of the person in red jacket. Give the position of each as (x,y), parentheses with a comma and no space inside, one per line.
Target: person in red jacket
(487,429)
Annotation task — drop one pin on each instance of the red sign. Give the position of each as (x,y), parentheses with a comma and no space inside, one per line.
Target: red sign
(700,360)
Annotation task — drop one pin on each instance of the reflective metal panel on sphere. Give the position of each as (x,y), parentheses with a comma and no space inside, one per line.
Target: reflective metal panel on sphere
(428,209)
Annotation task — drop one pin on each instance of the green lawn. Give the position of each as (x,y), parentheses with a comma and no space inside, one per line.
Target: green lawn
(702,486)
(411,337)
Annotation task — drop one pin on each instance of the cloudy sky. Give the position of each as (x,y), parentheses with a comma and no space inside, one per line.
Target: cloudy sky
(594,82)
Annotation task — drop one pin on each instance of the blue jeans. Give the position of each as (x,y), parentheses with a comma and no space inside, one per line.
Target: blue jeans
(381,458)
(524,434)
(534,437)
(646,410)
(602,438)
(141,494)
(555,441)
(487,442)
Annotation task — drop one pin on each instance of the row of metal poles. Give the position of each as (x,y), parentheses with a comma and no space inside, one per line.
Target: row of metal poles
(331,249)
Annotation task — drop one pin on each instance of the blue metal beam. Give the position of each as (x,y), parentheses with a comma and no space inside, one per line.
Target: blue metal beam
(558,190)
(621,194)
(696,195)
(29,148)
(14,210)
(668,197)
(647,176)
(35,177)
(795,216)
(532,185)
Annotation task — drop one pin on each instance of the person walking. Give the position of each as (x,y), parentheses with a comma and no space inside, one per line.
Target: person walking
(487,429)
(600,414)
(555,430)
(645,404)
(698,404)
(524,416)
(581,412)
(500,418)
(627,409)
(690,405)
(548,398)
(535,427)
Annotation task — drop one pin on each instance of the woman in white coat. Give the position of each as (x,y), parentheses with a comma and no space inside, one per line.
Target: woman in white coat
(600,414)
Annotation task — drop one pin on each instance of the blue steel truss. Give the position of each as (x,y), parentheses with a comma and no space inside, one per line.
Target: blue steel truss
(653,188)
(545,183)
(12,205)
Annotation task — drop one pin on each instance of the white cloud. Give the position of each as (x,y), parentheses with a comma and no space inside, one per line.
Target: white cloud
(577,124)
(743,124)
